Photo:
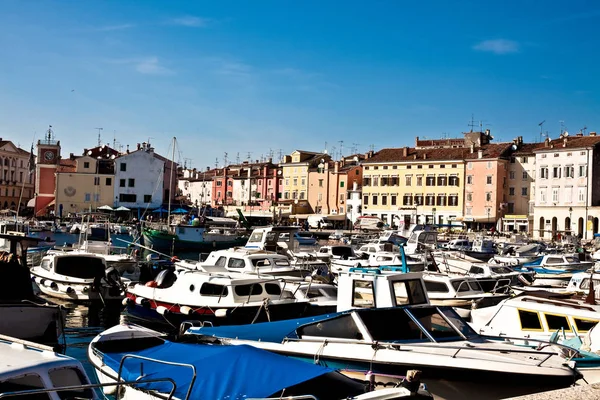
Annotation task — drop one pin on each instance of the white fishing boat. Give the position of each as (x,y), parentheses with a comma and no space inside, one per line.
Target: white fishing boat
(410,334)
(212,370)
(213,297)
(78,277)
(30,370)
(556,269)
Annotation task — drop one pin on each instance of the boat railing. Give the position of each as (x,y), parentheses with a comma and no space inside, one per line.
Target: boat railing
(398,345)
(89,386)
(300,397)
(171,363)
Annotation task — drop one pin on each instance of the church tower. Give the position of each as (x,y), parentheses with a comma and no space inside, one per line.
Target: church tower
(48,158)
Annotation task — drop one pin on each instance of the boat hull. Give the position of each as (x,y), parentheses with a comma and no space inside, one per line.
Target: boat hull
(34,322)
(240,315)
(162,241)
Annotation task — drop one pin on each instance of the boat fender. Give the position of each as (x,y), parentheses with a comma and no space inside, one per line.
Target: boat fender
(174,259)
(70,290)
(162,310)
(151,284)
(221,313)
(186,310)
(54,286)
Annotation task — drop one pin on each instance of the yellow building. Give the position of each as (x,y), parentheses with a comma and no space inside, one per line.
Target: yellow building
(294,180)
(404,186)
(84,184)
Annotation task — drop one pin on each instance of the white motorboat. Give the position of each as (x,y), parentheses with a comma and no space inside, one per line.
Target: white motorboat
(78,277)
(556,269)
(212,370)
(27,366)
(217,298)
(411,334)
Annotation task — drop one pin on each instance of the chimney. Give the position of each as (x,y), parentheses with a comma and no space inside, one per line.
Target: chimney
(417,141)
(547,142)
(592,133)
(424,156)
(355,186)
(472,148)
(405,152)
(565,140)
(415,156)
(207,169)
(336,167)
(479,153)
(139,146)
(127,149)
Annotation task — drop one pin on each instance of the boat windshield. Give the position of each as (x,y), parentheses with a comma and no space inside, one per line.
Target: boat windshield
(341,251)
(82,267)
(434,323)
(409,291)
(62,377)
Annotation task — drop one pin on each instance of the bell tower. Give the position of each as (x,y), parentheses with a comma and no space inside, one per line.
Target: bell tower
(48,158)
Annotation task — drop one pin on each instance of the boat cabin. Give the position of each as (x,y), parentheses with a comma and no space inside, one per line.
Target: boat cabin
(271,238)
(370,288)
(421,240)
(259,262)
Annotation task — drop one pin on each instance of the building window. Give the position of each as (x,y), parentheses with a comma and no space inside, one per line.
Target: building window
(489,165)
(488,180)
(366,181)
(127,198)
(554,195)
(375,181)
(430,200)
(123,167)
(453,200)
(375,200)
(430,181)
(96,181)
(384,200)
(294,195)
(469,179)
(469,165)
(408,180)
(441,180)
(524,160)
(295,182)
(365,200)
(147,198)
(229,183)
(419,181)
(511,175)
(488,196)
(441,200)
(87,197)
(86,164)
(469,210)
(418,199)
(384,181)
(543,195)
(581,194)
(393,199)
(407,200)
(395,181)
(525,175)
(511,191)
(569,172)
(301,195)
(121,182)
(453,181)
(511,208)
(341,183)
(108,181)
(512,160)
(131,182)
(582,171)
(469,196)
(523,191)
(286,195)
(556,172)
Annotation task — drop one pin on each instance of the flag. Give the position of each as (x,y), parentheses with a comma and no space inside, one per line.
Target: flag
(31,161)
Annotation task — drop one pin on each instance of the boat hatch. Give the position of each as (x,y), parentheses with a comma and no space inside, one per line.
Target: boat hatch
(419,324)
(268,262)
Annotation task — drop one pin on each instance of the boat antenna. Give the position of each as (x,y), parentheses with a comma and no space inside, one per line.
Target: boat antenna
(171,182)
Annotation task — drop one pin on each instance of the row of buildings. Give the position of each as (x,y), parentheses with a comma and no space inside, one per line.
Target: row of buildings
(541,188)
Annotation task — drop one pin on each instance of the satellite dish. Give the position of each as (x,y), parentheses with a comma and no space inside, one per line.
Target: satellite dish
(113,157)
(322,160)
(279,172)
(566,133)
(325,151)
(355,158)
(514,147)
(89,153)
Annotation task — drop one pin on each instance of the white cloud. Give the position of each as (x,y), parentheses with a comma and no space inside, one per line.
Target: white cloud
(145,65)
(498,46)
(190,21)
(109,28)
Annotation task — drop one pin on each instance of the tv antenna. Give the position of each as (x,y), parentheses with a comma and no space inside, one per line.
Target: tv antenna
(341,142)
(584,129)
(50,133)
(355,148)
(217,163)
(472,123)
(99,137)
(249,156)
(237,158)
(225,160)
(187,163)
(562,127)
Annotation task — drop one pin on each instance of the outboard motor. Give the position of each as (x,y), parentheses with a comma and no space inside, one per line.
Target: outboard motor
(166,278)
(113,279)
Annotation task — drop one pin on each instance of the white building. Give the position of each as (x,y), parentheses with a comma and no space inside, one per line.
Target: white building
(197,186)
(354,203)
(566,201)
(139,179)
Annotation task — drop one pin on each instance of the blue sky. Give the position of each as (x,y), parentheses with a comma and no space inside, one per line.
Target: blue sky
(260,76)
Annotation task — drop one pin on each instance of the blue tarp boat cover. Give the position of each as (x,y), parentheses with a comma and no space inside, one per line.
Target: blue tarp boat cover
(222,372)
(265,331)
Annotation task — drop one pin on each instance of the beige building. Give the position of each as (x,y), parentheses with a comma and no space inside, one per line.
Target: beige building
(520,188)
(84,184)
(294,181)
(17,185)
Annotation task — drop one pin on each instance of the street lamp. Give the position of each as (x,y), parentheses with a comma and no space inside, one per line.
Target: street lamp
(570,220)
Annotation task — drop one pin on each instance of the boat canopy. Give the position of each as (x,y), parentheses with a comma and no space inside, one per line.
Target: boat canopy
(219,370)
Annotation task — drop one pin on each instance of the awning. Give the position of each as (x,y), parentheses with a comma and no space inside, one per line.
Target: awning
(31,203)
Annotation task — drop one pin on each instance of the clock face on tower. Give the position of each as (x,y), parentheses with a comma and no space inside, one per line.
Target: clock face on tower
(48,155)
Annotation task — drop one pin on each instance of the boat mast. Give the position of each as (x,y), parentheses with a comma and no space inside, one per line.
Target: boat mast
(171,183)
